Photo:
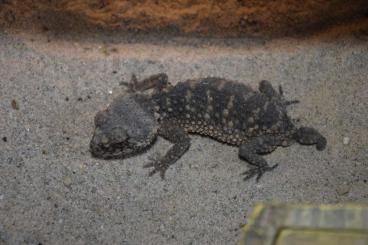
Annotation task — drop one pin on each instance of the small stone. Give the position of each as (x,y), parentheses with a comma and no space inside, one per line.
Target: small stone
(346,140)
(14,105)
(67,181)
(82,166)
(110,91)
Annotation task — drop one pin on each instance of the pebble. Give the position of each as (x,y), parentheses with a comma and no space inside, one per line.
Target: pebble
(346,140)
(67,181)
(14,105)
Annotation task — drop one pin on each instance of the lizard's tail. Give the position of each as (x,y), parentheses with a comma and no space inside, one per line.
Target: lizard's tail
(310,136)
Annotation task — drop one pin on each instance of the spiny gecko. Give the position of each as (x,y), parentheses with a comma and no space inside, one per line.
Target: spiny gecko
(227,111)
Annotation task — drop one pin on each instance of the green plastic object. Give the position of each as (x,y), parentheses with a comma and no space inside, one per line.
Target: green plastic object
(282,224)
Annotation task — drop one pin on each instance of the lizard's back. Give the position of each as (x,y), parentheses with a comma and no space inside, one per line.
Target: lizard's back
(227,111)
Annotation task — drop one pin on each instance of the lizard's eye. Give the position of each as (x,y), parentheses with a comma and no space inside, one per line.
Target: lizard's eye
(118,135)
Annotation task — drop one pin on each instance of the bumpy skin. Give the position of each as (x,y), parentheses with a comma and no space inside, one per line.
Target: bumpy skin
(125,128)
(227,111)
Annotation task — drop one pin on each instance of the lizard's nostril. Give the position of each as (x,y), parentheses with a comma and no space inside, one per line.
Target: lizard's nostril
(95,141)
(93,147)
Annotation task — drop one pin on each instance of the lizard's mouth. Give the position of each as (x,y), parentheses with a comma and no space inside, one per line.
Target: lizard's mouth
(114,144)
(106,151)
(102,147)
(114,151)
(109,146)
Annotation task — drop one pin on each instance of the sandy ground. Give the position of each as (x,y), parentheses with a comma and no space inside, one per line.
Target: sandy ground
(53,192)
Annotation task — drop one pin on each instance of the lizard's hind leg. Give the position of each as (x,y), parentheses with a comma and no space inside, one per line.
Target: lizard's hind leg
(158,82)
(286,102)
(266,88)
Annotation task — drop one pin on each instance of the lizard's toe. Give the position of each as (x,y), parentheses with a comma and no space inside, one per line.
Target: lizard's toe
(250,173)
(158,166)
(259,171)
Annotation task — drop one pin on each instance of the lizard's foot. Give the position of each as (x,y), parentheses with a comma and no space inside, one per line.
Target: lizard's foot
(158,166)
(259,171)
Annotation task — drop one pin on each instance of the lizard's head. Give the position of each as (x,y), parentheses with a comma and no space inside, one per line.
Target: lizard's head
(125,128)
(310,136)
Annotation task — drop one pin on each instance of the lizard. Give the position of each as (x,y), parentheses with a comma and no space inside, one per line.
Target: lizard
(255,121)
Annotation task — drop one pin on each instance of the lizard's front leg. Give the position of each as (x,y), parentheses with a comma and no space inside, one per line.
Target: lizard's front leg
(181,141)
(250,152)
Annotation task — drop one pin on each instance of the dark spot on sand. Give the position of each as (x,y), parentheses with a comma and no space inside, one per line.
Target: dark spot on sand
(14,105)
